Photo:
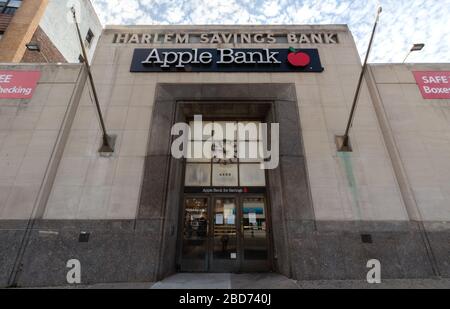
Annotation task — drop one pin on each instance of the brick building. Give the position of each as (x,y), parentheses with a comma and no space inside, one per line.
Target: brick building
(47,25)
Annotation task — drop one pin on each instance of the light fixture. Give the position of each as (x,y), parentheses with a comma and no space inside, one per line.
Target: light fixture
(415,47)
(33,46)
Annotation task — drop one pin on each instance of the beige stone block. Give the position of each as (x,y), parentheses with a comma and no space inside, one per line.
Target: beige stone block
(124,76)
(6,122)
(60,94)
(432,203)
(15,144)
(32,171)
(72,171)
(134,143)
(420,171)
(402,119)
(101,171)
(306,79)
(384,74)
(412,94)
(3,136)
(441,167)
(86,119)
(336,119)
(116,117)
(404,75)
(436,143)
(123,202)
(346,55)
(129,171)
(369,143)
(326,56)
(308,93)
(282,78)
(41,94)
(312,118)
(138,118)
(329,76)
(317,144)
(237,78)
(431,119)
(63,202)
(143,95)
(9,167)
(104,73)
(386,204)
(327,204)
(121,95)
(392,94)
(151,78)
(42,144)
(168,77)
(25,120)
(4,194)
(68,74)
(82,143)
(108,55)
(349,74)
(20,203)
(378,171)
(212,77)
(94,203)
(332,95)
(322,172)
(410,142)
(262,78)
(365,118)
(51,118)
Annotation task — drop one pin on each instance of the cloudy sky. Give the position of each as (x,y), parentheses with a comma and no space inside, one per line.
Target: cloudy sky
(403,22)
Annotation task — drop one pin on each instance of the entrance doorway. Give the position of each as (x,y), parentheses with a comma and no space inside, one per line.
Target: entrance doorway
(224,208)
(225,233)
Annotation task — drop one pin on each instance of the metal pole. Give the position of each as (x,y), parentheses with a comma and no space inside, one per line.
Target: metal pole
(358,89)
(106,147)
(409,53)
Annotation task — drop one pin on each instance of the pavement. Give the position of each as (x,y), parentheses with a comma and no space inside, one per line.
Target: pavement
(265,281)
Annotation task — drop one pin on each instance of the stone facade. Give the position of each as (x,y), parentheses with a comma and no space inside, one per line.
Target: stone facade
(322,201)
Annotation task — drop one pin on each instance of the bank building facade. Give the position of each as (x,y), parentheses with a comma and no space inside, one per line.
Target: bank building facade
(298,206)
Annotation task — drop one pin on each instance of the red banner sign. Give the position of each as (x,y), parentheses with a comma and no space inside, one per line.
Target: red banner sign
(433,84)
(18,84)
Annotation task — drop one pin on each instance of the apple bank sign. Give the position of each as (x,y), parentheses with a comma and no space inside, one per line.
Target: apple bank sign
(226,60)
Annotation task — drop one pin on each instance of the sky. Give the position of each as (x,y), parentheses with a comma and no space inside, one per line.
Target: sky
(402,23)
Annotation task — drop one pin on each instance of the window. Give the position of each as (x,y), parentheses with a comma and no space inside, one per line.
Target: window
(89,37)
(9,6)
(224,154)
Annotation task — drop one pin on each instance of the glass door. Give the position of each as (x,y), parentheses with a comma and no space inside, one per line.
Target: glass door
(225,255)
(255,247)
(194,255)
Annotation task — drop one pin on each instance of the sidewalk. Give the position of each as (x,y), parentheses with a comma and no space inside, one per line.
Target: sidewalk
(265,281)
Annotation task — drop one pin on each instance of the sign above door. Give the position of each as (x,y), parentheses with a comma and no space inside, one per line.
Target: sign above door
(226,60)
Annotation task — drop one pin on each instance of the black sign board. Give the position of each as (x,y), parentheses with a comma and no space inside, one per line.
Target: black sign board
(225,190)
(226,60)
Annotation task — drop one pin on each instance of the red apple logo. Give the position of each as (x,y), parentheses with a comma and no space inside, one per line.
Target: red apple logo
(298,59)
